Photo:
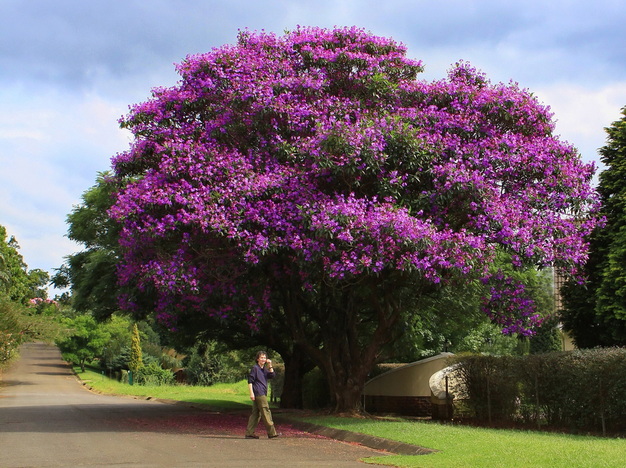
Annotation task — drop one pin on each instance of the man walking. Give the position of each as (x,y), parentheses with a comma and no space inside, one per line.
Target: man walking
(257,383)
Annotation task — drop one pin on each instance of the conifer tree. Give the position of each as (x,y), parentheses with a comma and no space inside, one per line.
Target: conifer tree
(595,314)
(136,358)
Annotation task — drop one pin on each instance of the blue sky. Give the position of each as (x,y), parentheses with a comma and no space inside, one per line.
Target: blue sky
(69,69)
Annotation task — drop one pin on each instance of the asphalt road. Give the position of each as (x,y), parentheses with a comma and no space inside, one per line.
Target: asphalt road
(48,419)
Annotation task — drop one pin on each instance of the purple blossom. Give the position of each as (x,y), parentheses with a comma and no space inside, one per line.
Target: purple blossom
(509,305)
(320,151)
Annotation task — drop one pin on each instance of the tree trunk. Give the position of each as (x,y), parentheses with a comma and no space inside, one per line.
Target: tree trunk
(347,366)
(346,390)
(296,365)
(343,331)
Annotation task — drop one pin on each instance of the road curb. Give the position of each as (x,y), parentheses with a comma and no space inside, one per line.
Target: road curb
(373,442)
(377,443)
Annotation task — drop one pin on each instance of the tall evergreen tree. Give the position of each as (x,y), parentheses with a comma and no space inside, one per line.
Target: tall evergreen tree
(595,313)
(136,356)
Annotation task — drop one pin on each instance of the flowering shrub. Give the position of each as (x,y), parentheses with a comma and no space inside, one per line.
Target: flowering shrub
(283,165)
(43,306)
(8,346)
(36,301)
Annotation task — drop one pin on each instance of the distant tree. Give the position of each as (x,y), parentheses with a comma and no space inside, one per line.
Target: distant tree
(91,273)
(38,281)
(5,279)
(487,338)
(312,178)
(595,312)
(205,365)
(611,292)
(136,356)
(16,280)
(14,270)
(83,341)
(547,337)
(116,354)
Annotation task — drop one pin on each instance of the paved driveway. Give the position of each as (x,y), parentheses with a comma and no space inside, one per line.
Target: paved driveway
(48,419)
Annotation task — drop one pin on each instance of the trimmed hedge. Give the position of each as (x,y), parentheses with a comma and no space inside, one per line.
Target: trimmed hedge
(582,390)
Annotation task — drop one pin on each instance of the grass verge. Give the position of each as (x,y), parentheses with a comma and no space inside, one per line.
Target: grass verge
(461,446)
(222,396)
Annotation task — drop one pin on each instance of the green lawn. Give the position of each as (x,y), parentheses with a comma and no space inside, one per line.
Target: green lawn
(224,396)
(461,446)
(458,446)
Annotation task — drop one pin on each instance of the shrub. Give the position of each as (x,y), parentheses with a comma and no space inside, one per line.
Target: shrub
(153,374)
(236,364)
(170,361)
(541,388)
(211,363)
(205,365)
(8,347)
(11,333)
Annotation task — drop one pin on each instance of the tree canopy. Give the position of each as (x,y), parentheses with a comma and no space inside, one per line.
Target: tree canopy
(84,341)
(91,273)
(313,181)
(17,282)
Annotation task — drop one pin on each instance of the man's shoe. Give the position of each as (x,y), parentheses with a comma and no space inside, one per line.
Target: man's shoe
(275,435)
(253,436)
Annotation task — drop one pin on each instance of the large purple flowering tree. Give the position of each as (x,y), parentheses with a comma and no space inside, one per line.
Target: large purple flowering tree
(310,184)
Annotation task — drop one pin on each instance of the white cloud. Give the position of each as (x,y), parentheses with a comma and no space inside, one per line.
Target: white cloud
(51,147)
(582,112)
